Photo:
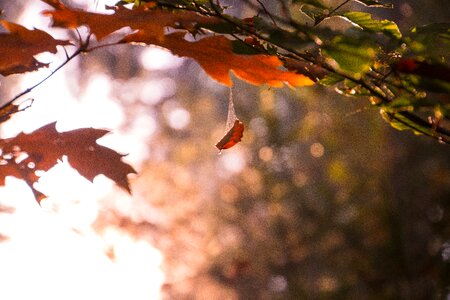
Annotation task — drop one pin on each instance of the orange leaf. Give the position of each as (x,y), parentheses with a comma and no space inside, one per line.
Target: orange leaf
(18,47)
(145,17)
(232,137)
(7,110)
(45,146)
(215,55)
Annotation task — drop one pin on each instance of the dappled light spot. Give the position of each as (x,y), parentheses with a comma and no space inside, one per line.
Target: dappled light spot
(300,179)
(278,283)
(259,127)
(155,90)
(155,58)
(229,193)
(265,154)
(178,118)
(317,150)
(233,162)
(327,284)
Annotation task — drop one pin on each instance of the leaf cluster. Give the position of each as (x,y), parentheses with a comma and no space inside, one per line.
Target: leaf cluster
(403,74)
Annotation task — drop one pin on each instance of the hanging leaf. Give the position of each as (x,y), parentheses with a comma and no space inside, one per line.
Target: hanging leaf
(232,137)
(18,47)
(40,150)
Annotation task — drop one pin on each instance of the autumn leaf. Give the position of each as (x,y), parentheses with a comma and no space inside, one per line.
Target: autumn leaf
(232,137)
(215,55)
(40,150)
(18,47)
(7,110)
(145,17)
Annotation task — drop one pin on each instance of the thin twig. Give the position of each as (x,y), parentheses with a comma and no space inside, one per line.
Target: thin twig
(337,7)
(82,48)
(318,21)
(267,12)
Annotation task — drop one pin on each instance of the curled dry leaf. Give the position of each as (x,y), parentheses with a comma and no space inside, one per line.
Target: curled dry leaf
(232,137)
(18,47)
(41,149)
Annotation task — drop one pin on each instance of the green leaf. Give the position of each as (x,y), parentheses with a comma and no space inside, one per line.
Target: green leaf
(435,28)
(433,85)
(375,3)
(352,56)
(290,39)
(313,13)
(331,79)
(400,104)
(314,9)
(442,110)
(365,21)
(431,40)
(400,122)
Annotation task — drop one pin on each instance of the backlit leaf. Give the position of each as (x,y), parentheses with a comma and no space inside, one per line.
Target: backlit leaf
(365,21)
(18,47)
(432,40)
(40,150)
(215,55)
(232,137)
(352,56)
(145,17)
(331,79)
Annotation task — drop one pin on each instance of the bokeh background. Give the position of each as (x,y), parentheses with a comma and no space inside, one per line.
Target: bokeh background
(321,199)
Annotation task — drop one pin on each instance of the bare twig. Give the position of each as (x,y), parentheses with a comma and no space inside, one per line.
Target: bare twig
(267,12)
(82,48)
(337,7)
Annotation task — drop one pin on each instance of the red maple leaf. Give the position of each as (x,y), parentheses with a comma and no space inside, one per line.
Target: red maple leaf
(41,149)
(18,47)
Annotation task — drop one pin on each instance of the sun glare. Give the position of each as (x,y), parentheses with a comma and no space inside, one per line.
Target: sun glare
(53,252)
(154,58)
